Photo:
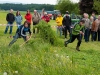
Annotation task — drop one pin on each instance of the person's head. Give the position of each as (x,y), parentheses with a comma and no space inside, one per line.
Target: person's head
(91,18)
(11,10)
(93,14)
(99,17)
(26,24)
(59,15)
(86,15)
(17,13)
(45,13)
(35,11)
(67,13)
(82,22)
(28,11)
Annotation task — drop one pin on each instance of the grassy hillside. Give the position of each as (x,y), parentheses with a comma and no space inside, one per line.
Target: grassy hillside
(38,57)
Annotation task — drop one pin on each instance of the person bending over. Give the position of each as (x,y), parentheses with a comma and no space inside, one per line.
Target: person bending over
(77,32)
(22,32)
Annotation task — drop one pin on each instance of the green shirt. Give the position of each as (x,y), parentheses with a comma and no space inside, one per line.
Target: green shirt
(77,28)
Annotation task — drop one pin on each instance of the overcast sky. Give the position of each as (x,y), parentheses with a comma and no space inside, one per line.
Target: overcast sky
(33,1)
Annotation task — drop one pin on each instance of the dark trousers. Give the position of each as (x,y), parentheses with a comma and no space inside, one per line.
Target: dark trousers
(73,37)
(67,28)
(87,34)
(98,35)
(7,27)
(15,39)
(95,38)
(93,35)
(34,27)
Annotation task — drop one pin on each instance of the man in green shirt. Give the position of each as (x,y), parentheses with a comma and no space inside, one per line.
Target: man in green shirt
(77,32)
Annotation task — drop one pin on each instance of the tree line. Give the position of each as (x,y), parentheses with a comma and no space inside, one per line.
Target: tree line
(24,7)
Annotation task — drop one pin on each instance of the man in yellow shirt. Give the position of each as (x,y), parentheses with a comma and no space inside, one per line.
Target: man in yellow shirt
(59,24)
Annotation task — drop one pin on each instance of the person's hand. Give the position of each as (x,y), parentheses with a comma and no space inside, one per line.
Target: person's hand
(81,32)
(27,37)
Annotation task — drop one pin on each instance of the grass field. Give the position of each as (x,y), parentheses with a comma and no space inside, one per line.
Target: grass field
(41,58)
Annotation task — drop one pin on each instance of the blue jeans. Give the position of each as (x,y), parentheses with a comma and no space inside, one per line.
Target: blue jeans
(7,27)
(87,34)
(59,29)
(15,39)
(18,24)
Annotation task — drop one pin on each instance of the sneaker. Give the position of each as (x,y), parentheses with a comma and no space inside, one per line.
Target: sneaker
(65,43)
(77,48)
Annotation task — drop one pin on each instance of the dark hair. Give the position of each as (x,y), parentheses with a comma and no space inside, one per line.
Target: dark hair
(82,21)
(27,23)
(17,13)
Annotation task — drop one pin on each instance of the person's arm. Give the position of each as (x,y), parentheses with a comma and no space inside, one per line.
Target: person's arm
(7,17)
(75,28)
(22,32)
(70,21)
(63,22)
(21,18)
(13,18)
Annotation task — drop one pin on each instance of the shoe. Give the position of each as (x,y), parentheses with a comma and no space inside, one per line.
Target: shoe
(77,48)
(65,43)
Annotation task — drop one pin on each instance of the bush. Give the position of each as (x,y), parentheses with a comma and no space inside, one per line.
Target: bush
(46,33)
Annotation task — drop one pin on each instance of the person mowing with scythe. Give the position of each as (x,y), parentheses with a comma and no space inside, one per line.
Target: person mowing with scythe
(77,32)
(22,32)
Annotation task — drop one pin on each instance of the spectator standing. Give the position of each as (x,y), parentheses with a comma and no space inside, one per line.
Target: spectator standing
(18,18)
(98,23)
(28,17)
(66,23)
(36,18)
(46,18)
(10,18)
(59,20)
(87,27)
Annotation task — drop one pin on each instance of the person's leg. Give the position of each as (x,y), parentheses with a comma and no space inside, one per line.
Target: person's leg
(72,38)
(69,30)
(11,27)
(79,38)
(60,29)
(65,32)
(98,35)
(57,29)
(86,35)
(14,39)
(6,30)
(95,38)
(34,29)
(93,35)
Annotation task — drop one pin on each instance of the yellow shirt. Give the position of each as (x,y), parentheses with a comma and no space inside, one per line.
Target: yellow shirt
(59,21)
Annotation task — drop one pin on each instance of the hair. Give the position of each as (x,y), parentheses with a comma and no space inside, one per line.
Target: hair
(82,21)
(17,13)
(27,23)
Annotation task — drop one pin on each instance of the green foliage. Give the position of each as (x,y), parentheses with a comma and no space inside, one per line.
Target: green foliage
(46,33)
(67,5)
(97,5)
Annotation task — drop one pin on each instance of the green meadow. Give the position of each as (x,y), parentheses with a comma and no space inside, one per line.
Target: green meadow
(39,57)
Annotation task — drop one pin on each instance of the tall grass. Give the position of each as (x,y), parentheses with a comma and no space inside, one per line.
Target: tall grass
(40,57)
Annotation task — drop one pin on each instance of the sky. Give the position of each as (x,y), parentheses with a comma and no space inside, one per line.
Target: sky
(32,1)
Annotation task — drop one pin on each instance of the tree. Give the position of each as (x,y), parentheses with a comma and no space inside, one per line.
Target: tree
(96,5)
(67,5)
